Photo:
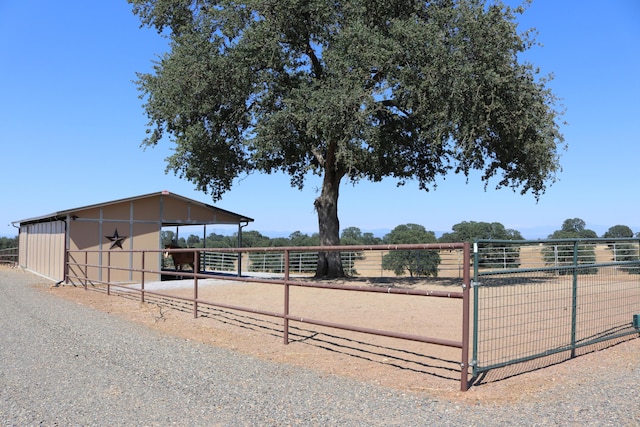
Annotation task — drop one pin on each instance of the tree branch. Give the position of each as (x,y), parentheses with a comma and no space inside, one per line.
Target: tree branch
(318,155)
(316,66)
(392,103)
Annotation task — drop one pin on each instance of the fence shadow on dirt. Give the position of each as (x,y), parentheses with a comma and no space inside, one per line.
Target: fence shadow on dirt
(316,336)
(408,282)
(515,370)
(563,300)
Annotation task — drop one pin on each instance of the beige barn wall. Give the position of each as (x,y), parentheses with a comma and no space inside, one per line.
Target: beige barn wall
(41,249)
(44,240)
(137,221)
(176,209)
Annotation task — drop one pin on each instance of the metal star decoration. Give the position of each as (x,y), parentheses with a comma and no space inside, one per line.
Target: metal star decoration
(116,240)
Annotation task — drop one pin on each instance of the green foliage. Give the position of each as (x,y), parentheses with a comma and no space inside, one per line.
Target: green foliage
(417,263)
(300,239)
(573,228)
(250,239)
(572,252)
(355,90)
(353,236)
(629,253)
(624,251)
(169,238)
(618,231)
(214,240)
(394,89)
(468,231)
(8,242)
(491,255)
(194,241)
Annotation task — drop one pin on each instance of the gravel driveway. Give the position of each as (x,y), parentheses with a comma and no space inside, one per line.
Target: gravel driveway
(63,364)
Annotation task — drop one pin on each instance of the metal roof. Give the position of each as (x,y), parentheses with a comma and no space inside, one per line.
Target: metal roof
(61,215)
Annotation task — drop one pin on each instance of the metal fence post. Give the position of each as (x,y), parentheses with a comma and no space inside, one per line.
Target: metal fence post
(286,297)
(475,307)
(86,269)
(142,279)
(195,284)
(464,364)
(109,273)
(574,299)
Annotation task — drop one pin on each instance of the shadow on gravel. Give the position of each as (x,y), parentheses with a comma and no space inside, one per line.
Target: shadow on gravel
(332,340)
(317,336)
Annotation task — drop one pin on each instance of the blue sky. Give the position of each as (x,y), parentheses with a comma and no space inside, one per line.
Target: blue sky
(72,123)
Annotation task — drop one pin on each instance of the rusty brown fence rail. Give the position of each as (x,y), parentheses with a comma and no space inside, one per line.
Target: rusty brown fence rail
(457,268)
(9,256)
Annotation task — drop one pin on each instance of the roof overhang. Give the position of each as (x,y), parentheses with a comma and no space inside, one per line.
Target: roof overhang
(63,215)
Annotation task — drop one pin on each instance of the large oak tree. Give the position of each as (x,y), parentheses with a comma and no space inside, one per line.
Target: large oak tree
(348,90)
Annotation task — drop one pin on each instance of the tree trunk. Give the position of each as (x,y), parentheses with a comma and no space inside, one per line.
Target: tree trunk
(329,263)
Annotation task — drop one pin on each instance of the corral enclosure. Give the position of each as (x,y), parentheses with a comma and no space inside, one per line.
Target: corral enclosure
(347,305)
(541,301)
(303,263)
(369,264)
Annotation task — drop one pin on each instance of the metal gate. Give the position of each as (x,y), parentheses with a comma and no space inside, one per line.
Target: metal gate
(534,299)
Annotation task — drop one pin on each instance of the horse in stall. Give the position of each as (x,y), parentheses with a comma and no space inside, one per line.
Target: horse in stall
(180,258)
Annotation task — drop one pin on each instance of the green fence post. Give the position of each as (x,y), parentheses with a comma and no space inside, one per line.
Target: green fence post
(474,282)
(574,299)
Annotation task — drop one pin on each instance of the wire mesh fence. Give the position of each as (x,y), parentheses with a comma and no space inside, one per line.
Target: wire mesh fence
(536,299)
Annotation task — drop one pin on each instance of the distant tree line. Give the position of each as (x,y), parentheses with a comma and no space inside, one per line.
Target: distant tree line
(8,242)
(583,253)
(425,263)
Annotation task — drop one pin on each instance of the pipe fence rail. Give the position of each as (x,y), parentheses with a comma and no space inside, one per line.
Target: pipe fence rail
(9,256)
(293,267)
(531,301)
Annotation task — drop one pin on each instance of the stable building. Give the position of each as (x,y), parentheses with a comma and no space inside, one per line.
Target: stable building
(111,234)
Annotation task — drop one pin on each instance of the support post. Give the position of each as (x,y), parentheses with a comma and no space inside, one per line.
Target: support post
(286,296)
(195,284)
(108,273)
(466,280)
(239,246)
(142,279)
(574,298)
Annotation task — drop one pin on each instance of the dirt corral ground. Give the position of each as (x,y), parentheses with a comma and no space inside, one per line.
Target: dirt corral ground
(406,365)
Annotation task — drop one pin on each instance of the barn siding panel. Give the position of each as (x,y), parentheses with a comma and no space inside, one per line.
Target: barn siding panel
(42,249)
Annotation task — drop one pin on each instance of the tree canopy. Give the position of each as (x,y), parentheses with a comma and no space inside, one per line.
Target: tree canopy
(618,231)
(365,89)
(501,254)
(8,242)
(417,263)
(468,231)
(573,228)
(568,254)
